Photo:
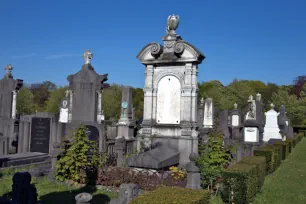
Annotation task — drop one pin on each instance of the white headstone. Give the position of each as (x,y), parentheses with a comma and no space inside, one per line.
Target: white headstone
(271,129)
(251,134)
(168,101)
(63,118)
(235,120)
(208,114)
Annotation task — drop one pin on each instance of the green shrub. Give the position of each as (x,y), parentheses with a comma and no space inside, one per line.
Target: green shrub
(214,157)
(260,162)
(242,180)
(278,155)
(285,149)
(176,195)
(269,154)
(76,160)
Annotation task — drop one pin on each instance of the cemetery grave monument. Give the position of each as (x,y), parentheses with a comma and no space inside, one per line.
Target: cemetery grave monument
(170,101)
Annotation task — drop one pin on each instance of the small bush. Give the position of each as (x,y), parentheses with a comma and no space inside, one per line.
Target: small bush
(242,180)
(176,195)
(260,162)
(269,154)
(278,155)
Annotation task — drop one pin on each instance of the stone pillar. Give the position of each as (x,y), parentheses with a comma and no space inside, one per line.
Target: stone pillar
(193,173)
(14,102)
(99,107)
(20,137)
(53,155)
(83,198)
(120,147)
(26,137)
(70,105)
(148,93)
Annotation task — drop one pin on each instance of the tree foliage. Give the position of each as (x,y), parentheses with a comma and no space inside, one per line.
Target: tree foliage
(56,96)
(111,101)
(25,102)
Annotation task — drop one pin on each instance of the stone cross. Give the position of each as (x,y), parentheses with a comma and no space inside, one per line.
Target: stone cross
(87,56)
(235,106)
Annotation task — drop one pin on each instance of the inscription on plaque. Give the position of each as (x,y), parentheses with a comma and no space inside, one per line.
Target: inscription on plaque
(93,135)
(40,135)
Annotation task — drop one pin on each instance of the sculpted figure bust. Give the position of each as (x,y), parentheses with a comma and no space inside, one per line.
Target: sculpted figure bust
(8,69)
(87,56)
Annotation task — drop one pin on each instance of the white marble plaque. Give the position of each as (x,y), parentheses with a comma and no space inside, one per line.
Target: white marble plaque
(235,120)
(63,115)
(208,121)
(168,101)
(251,134)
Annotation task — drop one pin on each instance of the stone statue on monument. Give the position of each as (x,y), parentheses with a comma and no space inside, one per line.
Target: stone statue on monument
(87,56)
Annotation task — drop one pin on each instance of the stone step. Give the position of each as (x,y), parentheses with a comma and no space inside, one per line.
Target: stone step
(22,159)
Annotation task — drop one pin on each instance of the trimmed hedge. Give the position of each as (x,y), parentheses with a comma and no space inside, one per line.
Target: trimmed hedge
(285,149)
(269,154)
(289,141)
(242,180)
(176,195)
(260,162)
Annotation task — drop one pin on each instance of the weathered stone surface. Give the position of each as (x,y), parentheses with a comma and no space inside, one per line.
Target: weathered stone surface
(162,156)
(127,193)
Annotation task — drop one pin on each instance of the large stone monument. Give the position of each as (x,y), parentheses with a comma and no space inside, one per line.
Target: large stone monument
(9,88)
(271,130)
(84,102)
(170,99)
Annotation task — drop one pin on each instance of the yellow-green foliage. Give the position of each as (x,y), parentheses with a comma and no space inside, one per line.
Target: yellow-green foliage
(176,195)
(260,162)
(242,180)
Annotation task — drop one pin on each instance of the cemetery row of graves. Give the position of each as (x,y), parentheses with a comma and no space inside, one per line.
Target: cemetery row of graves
(166,146)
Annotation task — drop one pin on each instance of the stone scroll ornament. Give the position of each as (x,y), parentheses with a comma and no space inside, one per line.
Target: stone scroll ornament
(179,48)
(156,50)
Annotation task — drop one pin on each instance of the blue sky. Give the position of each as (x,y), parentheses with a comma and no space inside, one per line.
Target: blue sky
(256,40)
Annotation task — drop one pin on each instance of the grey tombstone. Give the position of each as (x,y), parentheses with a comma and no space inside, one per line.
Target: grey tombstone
(86,87)
(235,124)
(206,118)
(125,125)
(9,88)
(170,93)
(193,172)
(223,126)
(40,135)
(120,147)
(127,192)
(283,122)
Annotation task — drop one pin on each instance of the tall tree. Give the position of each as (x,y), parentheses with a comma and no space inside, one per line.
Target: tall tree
(49,85)
(56,95)
(111,101)
(25,101)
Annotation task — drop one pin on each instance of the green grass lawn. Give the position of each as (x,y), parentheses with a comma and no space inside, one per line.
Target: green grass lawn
(287,184)
(51,193)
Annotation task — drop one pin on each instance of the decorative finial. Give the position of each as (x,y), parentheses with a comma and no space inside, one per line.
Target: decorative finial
(172,24)
(67,93)
(202,100)
(235,105)
(250,98)
(87,56)
(258,96)
(8,69)
(272,105)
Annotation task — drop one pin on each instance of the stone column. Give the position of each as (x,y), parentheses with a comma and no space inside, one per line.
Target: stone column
(148,93)
(120,147)
(20,137)
(26,137)
(70,105)
(193,173)
(99,106)
(14,102)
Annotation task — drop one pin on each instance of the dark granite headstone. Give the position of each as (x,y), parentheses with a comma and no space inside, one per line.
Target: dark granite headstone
(40,135)
(92,132)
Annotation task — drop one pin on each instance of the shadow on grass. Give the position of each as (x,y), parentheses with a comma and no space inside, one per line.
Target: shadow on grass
(68,197)
(1,175)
